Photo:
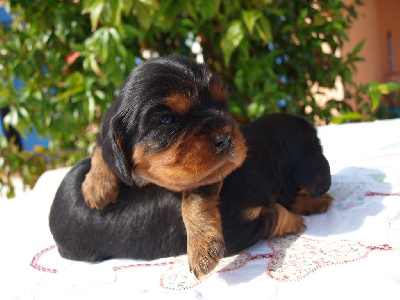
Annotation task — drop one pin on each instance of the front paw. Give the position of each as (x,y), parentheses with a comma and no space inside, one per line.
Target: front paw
(101,185)
(204,252)
(98,192)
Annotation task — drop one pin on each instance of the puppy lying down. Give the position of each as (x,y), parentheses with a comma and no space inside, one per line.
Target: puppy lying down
(172,174)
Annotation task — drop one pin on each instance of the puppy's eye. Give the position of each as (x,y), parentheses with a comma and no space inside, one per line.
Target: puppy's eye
(167,119)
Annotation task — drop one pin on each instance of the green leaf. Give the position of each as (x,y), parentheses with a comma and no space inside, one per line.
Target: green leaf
(154,4)
(232,39)
(188,7)
(386,88)
(250,18)
(91,107)
(358,47)
(131,31)
(302,16)
(264,30)
(235,33)
(144,15)
(207,8)
(94,65)
(276,11)
(256,109)
(95,13)
(345,117)
(116,7)
(103,45)
(69,93)
(3,102)
(375,99)
(127,7)
(239,80)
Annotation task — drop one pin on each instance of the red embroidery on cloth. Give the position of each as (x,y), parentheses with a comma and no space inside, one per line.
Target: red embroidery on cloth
(178,277)
(161,264)
(371,194)
(296,257)
(292,258)
(35,261)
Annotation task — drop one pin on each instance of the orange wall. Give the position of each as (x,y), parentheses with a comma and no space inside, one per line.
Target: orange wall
(388,14)
(365,27)
(375,19)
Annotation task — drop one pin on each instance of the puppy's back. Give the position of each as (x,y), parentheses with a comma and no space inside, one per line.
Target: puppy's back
(145,223)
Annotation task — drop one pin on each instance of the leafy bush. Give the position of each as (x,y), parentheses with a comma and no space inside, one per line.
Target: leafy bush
(73,56)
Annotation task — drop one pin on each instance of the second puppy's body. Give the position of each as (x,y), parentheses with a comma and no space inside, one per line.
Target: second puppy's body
(285,174)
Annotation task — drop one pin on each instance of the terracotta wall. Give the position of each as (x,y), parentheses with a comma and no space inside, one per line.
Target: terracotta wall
(376,19)
(388,15)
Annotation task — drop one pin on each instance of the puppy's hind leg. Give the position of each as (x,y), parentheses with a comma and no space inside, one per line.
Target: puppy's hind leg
(101,185)
(287,223)
(306,205)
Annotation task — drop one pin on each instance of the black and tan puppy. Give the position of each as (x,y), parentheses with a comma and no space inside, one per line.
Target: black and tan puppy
(157,182)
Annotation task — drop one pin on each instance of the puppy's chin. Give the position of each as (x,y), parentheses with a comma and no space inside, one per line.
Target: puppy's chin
(188,163)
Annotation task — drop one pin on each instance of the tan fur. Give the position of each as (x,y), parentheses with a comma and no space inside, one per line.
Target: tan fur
(253,213)
(101,185)
(288,222)
(205,242)
(217,89)
(305,205)
(178,103)
(190,162)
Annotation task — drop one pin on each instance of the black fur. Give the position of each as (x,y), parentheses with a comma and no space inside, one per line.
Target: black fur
(146,223)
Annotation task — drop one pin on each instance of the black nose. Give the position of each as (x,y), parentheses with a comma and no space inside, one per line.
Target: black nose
(223,142)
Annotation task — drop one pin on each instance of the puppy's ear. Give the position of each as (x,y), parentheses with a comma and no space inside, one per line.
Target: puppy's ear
(115,158)
(312,173)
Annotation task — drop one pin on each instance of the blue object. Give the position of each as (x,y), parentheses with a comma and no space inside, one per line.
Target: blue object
(138,61)
(5,18)
(2,131)
(32,140)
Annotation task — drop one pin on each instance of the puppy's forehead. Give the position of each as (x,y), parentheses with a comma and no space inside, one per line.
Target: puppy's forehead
(191,95)
(184,84)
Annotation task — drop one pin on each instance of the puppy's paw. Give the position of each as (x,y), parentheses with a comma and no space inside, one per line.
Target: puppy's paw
(296,225)
(101,185)
(305,205)
(98,192)
(204,252)
(288,222)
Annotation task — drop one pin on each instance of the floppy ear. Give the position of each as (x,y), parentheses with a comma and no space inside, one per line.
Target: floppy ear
(312,172)
(115,158)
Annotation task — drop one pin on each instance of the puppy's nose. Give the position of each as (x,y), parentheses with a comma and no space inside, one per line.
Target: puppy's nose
(223,142)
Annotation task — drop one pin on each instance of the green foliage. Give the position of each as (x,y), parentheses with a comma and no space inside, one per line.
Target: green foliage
(366,103)
(74,55)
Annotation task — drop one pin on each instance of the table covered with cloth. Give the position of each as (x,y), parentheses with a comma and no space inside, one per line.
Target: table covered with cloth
(350,252)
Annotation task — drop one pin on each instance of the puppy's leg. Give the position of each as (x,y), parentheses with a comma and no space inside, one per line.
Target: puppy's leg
(101,185)
(288,222)
(205,242)
(305,205)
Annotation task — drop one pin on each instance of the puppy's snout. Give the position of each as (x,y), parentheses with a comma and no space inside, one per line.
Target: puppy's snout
(223,142)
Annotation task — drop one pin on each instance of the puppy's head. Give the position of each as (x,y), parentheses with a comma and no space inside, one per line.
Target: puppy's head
(171,126)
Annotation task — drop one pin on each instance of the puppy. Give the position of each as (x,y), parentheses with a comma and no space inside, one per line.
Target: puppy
(170,126)
(153,187)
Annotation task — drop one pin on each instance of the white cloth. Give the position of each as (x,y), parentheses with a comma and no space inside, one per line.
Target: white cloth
(351,251)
